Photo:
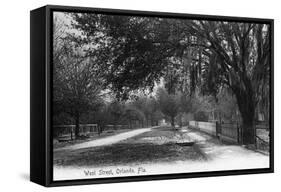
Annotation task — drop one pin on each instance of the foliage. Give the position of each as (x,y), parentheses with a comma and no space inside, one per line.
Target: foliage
(226,106)
(75,91)
(132,53)
(149,107)
(201,116)
(238,59)
(127,53)
(168,104)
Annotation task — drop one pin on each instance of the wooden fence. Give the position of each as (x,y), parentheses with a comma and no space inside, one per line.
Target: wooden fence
(232,132)
(67,131)
(225,132)
(207,127)
(229,132)
(262,136)
(115,127)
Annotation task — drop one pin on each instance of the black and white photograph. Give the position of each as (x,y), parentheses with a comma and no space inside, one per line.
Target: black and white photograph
(139,95)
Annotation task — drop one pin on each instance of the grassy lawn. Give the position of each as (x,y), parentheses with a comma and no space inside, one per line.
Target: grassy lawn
(133,151)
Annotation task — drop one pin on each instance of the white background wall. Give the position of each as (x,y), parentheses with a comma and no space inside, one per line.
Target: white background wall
(14,97)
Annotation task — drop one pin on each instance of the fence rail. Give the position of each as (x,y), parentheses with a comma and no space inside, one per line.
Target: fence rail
(208,127)
(225,132)
(115,127)
(67,131)
(232,133)
(262,136)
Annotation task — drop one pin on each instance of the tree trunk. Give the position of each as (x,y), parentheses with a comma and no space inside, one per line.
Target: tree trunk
(246,107)
(77,126)
(115,123)
(173,121)
(248,131)
(130,123)
(152,120)
(180,116)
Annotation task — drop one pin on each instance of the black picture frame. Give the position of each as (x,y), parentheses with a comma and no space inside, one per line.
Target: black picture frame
(41,153)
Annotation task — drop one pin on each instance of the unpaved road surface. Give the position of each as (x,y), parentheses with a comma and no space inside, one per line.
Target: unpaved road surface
(107,140)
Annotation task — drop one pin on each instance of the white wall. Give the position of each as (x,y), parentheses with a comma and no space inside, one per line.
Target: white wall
(14,101)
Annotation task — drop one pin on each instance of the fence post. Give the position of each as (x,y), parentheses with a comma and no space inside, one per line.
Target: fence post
(99,129)
(256,145)
(216,129)
(238,133)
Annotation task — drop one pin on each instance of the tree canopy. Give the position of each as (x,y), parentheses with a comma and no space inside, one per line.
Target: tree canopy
(134,53)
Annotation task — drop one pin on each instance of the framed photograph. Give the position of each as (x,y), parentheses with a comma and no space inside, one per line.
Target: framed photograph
(119,95)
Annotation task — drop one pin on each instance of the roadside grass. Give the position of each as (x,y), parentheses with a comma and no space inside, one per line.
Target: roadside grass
(127,153)
(132,151)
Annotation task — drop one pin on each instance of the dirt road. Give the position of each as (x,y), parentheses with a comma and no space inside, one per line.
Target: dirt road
(108,140)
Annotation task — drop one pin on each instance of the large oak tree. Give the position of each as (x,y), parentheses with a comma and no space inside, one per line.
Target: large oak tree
(239,59)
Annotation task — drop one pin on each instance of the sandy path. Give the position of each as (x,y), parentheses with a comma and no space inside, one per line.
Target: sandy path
(107,140)
(235,156)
